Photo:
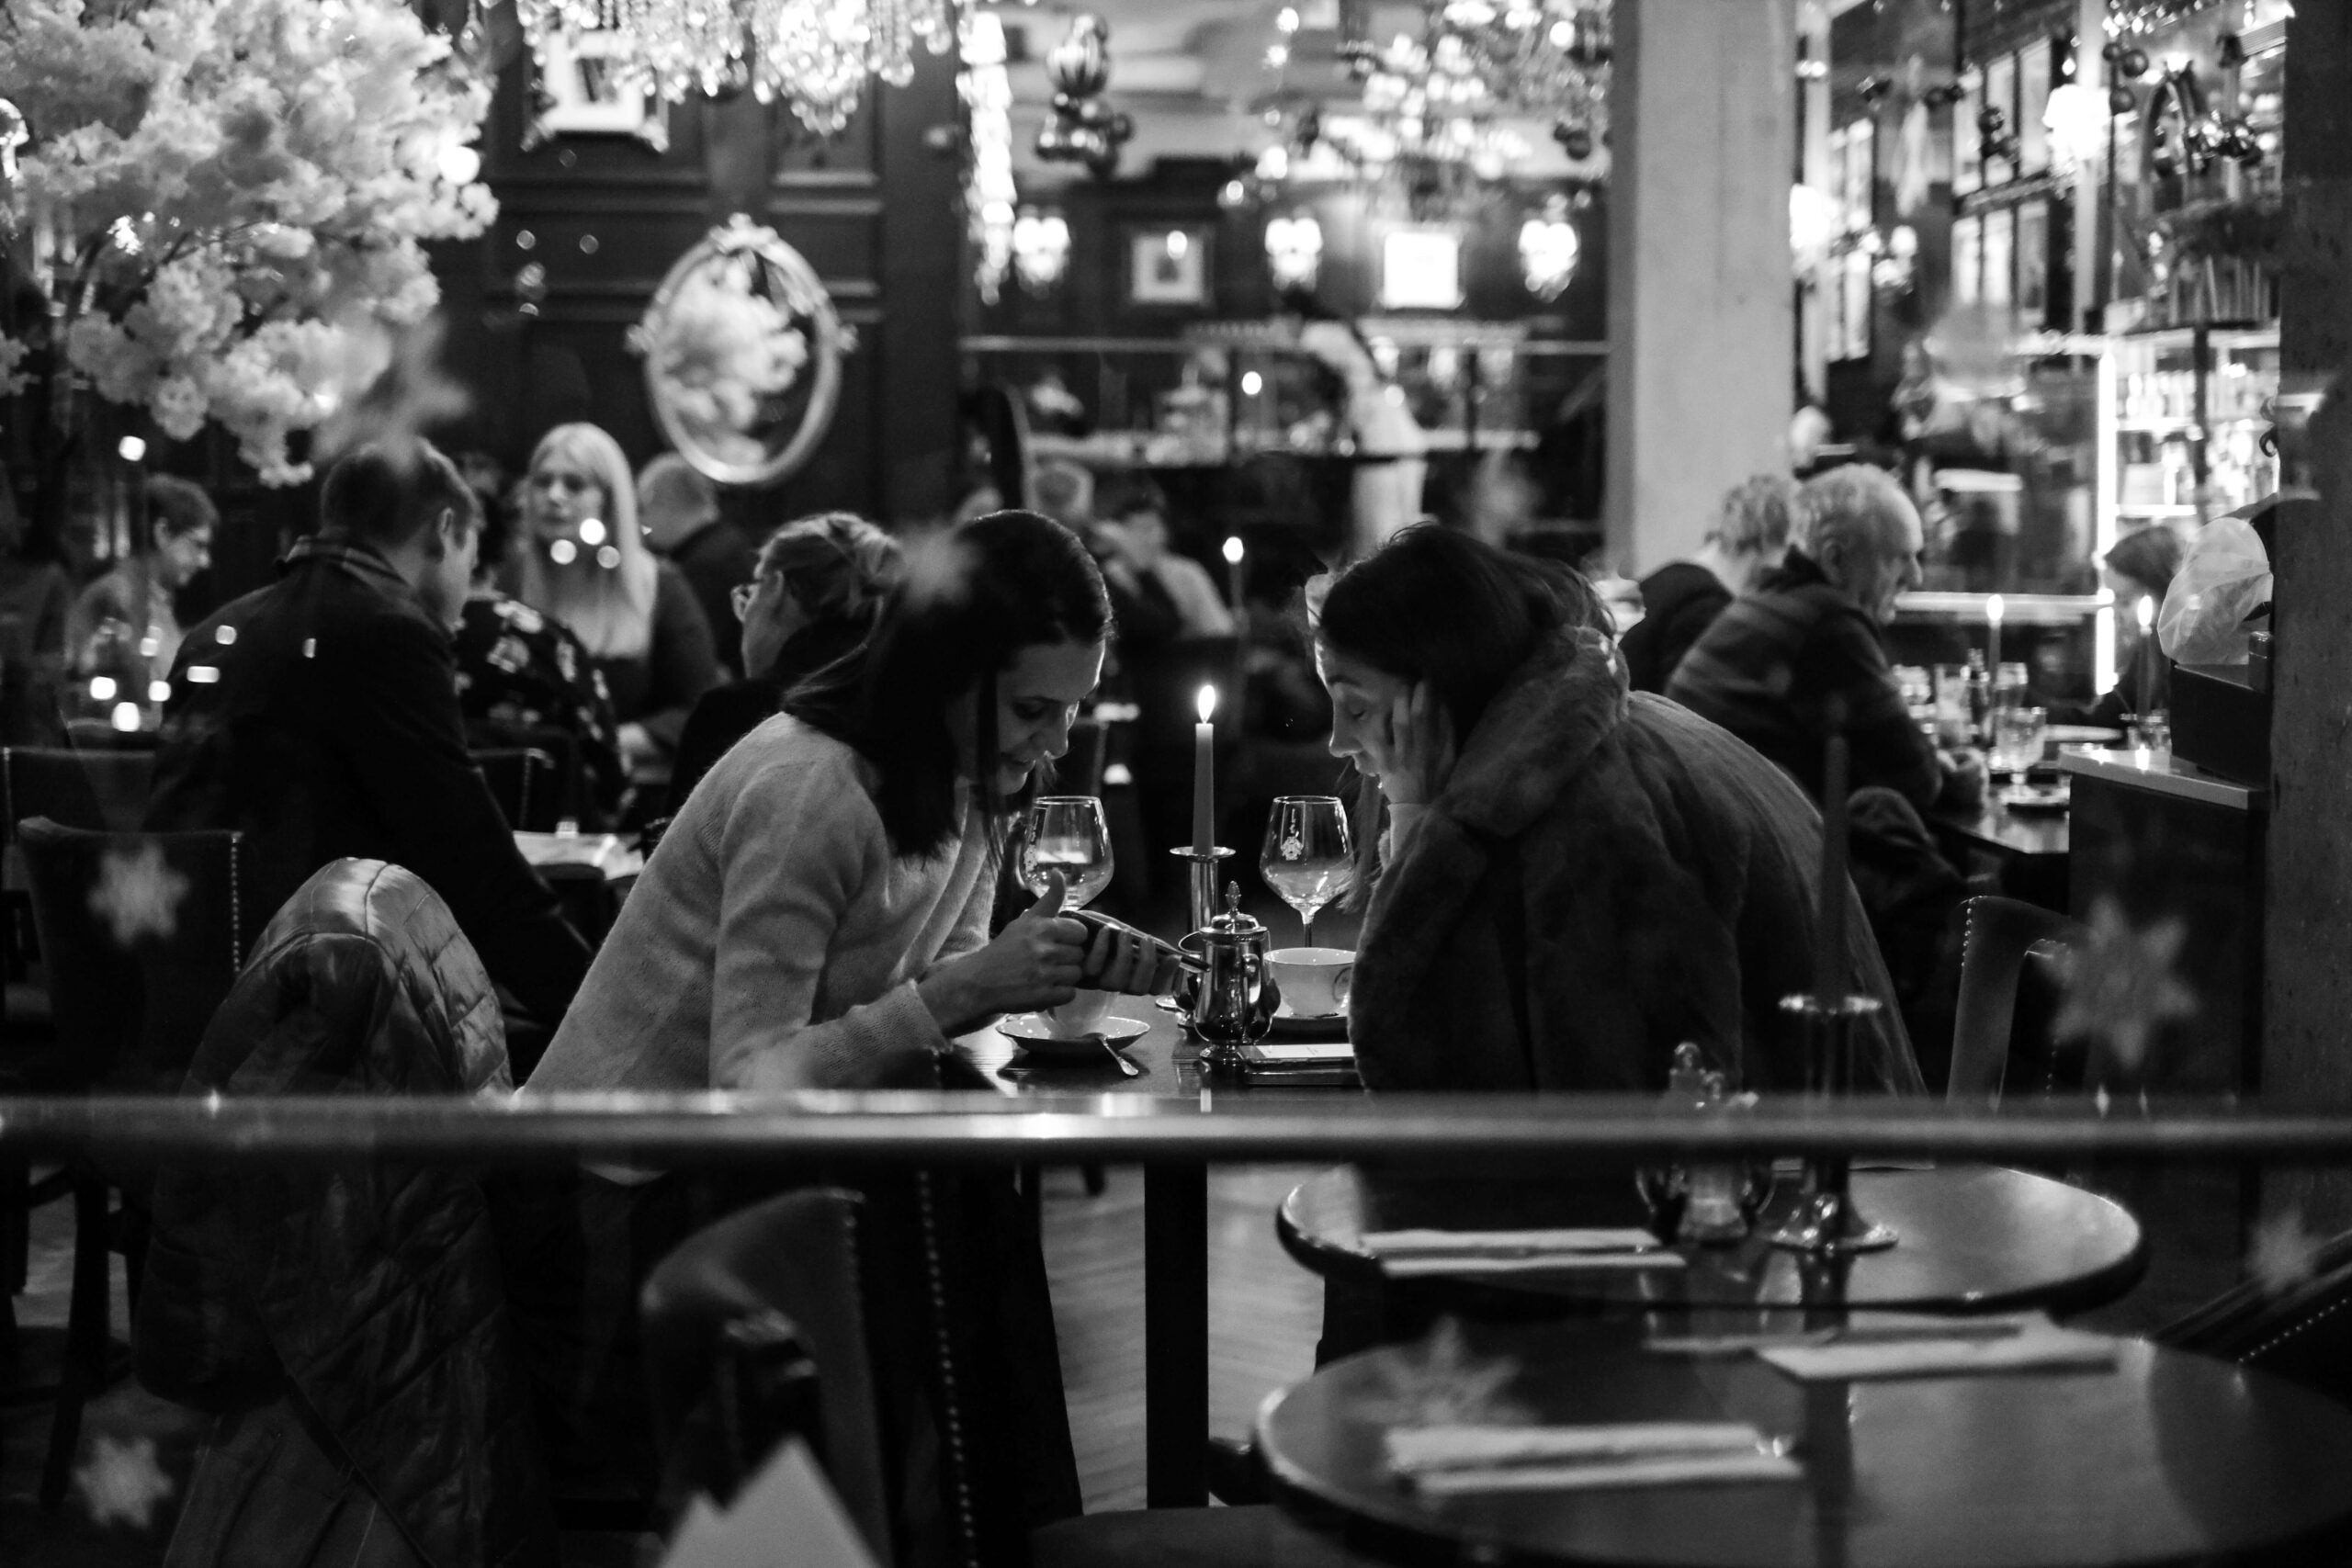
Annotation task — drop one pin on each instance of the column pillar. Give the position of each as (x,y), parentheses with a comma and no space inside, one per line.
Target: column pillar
(2307,982)
(1703,125)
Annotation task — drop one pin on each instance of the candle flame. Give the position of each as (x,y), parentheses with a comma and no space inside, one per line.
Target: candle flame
(1993,608)
(1233,550)
(1206,702)
(2147,612)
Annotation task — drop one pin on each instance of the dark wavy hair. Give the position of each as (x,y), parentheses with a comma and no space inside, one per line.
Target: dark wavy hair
(1439,605)
(971,600)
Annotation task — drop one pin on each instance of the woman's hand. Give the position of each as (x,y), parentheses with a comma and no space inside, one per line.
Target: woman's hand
(1128,963)
(1036,962)
(1414,751)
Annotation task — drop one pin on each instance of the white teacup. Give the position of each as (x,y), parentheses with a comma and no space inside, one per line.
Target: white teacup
(1082,1014)
(1314,980)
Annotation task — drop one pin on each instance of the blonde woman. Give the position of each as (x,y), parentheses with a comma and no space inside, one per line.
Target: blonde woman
(588,567)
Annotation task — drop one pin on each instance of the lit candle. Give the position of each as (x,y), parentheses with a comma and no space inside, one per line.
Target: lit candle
(2147,613)
(1829,932)
(1204,775)
(1994,609)
(1233,572)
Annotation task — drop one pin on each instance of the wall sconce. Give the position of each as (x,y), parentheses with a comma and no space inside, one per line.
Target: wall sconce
(1548,249)
(1893,267)
(1040,249)
(1294,250)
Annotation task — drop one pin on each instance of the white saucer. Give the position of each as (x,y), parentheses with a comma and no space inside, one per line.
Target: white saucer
(1308,1024)
(1036,1037)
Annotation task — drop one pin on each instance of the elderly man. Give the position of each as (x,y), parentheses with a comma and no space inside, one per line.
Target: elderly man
(679,512)
(1798,658)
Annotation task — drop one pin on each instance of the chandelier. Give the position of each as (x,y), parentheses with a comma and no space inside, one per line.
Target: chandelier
(814,54)
(1543,57)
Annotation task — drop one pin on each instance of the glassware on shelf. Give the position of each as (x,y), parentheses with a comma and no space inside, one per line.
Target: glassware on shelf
(1309,858)
(1067,833)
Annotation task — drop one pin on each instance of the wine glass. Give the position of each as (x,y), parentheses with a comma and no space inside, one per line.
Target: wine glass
(1309,857)
(1065,833)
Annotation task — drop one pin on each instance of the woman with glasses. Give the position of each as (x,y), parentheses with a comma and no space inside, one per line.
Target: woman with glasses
(815,589)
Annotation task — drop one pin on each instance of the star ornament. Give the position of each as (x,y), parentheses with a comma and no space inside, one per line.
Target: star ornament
(2120,984)
(2282,1254)
(121,1483)
(138,894)
(1447,1384)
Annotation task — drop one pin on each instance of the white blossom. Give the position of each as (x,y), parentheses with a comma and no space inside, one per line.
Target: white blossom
(262,174)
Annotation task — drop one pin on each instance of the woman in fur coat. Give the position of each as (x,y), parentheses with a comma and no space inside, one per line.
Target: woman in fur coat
(1575,879)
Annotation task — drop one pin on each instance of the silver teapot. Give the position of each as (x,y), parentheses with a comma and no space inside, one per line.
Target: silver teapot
(1225,988)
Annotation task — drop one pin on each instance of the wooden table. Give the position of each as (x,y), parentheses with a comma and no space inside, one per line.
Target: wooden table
(2022,854)
(2169,1457)
(1972,1238)
(1175,1238)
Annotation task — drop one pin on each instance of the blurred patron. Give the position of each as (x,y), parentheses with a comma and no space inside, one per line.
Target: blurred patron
(1575,881)
(2141,565)
(1681,599)
(679,511)
(587,566)
(318,716)
(524,680)
(125,624)
(36,597)
(1131,536)
(814,593)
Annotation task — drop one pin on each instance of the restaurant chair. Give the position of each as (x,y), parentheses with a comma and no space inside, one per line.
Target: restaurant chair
(141,938)
(2301,1330)
(525,782)
(2009,949)
(900,1373)
(102,790)
(347,1323)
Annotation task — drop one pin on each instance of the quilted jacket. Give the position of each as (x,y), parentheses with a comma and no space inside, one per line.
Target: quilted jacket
(363,1297)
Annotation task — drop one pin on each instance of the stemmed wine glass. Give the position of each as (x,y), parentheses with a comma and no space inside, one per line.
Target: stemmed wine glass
(1309,858)
(1065,833)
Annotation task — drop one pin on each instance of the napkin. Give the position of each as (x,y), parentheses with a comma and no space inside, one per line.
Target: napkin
(2044,1347)
(1458,1460)
(1398,1244)
(1409,1253)
(788,1514)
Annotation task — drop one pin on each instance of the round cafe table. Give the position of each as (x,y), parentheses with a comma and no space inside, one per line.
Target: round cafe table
(1971,1238)
(2169,1457)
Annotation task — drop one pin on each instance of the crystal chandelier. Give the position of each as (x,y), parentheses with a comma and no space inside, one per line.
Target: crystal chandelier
(813,54)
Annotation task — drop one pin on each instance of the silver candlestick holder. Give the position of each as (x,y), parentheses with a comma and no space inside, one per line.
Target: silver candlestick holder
(1826,1222)
(1204,875)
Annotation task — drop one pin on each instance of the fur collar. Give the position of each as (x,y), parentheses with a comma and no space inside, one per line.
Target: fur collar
(1550,715)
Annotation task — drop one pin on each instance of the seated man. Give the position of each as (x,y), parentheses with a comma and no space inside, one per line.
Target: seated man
(1798,658)
(320,717)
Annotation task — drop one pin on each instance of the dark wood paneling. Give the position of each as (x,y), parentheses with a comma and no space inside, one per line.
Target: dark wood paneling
(874,211)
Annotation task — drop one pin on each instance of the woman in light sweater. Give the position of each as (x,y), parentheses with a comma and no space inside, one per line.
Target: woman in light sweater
(817,914)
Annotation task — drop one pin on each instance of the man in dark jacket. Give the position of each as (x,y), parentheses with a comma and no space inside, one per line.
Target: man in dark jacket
(320,717)
(1799,657)
(679,512)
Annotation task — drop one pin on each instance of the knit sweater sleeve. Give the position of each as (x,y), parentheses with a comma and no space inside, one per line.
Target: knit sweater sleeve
(798,846)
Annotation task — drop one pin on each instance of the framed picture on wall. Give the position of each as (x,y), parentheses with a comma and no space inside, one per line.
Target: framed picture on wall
(2034,67)
(1168,265)
(1967,153)
(1967,259)
(2001,93)
(580,94)
(2033,260)
(2000,256)
(1421,269)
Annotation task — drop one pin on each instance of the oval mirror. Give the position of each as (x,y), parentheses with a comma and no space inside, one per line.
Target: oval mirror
(743,355)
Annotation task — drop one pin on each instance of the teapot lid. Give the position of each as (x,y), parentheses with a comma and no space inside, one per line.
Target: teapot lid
(1230,921)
